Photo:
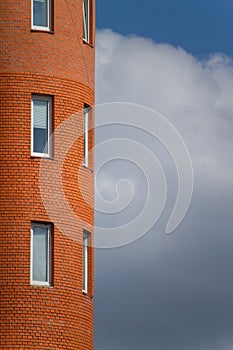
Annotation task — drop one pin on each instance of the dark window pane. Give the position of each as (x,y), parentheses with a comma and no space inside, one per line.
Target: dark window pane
(40,141)
(40,254)
(40,126)
(40,13)
(86,19)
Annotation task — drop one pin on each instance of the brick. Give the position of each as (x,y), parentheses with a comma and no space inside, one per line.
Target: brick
(60,65)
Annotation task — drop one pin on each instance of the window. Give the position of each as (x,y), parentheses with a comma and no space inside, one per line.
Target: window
(41,14)
(41,144)
(41,254)
(87,111)
(86,20)
(86,236)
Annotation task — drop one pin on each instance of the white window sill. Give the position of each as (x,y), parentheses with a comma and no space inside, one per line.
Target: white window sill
(87,43)
(41,155)
(87,294)
(40,284)
(42,29)
(88,168)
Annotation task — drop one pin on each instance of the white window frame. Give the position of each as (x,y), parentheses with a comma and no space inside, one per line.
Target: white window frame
(86,237)
(86,24)
(49,255)
(50,108)
(87,110)
(49,16)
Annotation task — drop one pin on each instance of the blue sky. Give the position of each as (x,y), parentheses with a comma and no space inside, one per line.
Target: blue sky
(200,27)
(167,292)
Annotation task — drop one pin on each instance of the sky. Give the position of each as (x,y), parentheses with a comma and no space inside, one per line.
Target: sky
(172,62)
(200,26)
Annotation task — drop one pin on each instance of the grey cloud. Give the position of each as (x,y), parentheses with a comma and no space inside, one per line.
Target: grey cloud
(170,292)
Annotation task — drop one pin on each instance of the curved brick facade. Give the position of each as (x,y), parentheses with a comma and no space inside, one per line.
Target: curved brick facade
(61,65)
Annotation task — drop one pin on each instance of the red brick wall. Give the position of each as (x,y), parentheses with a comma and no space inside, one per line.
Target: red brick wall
(61,65)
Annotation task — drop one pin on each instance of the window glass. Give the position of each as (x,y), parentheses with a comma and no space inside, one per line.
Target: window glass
(85,261)
(40,254)
(40,126)
(86,20)
(86,127)
(40,13)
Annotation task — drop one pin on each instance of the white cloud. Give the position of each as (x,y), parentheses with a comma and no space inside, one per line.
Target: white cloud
(180,285)
(195,95)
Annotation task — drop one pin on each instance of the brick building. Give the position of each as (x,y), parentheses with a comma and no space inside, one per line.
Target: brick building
(46,177)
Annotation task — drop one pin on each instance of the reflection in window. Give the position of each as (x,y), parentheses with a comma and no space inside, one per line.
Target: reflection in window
(41,14)
(40,254)
(41,125)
